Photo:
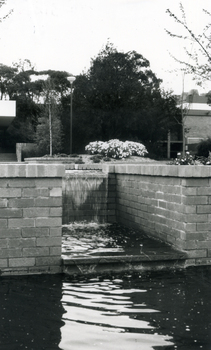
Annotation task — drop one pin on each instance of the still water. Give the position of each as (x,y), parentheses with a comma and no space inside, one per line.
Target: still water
(151,310)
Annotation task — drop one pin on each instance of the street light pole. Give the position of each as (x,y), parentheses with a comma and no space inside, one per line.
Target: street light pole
(71,79)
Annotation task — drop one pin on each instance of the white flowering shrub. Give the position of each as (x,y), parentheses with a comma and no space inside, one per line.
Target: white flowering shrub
(116,149)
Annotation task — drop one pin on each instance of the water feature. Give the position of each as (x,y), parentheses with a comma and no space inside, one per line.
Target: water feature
(82,239)
(84,196)
(152,310)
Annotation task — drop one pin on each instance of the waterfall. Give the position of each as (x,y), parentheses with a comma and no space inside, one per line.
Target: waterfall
(84,196)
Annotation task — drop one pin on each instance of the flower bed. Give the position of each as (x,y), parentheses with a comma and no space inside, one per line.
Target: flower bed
(116,149)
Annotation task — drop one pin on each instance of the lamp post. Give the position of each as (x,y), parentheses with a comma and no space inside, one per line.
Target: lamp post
(71,79)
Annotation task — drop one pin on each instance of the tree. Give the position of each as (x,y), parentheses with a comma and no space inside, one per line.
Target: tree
(49,130)
(120,97)
(198,61)
(3,2)
(27,87)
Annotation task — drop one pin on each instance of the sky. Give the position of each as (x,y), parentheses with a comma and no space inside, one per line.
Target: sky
(66,34)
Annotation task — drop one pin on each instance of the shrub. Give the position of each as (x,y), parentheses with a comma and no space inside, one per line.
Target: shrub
(204,147)
(116,149)
(186,160)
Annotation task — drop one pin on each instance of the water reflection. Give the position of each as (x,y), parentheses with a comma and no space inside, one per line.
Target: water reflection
(154,310)
(102,312)
(160,310)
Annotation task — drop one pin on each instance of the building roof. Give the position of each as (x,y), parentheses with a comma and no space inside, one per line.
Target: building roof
(7,113)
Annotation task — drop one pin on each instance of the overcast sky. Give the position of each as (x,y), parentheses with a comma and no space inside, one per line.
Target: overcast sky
(66,34)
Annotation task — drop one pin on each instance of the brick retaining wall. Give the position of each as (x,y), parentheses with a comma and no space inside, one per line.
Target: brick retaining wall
(30,218)
(172,203)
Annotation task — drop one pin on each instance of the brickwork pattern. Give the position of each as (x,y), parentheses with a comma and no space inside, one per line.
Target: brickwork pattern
(30,219)
(175,209)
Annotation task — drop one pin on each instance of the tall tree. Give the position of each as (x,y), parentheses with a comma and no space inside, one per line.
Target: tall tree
(120,97)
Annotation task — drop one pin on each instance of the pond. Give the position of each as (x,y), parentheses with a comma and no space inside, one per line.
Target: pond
(149,310)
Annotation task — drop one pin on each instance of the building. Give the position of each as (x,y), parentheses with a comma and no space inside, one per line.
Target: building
(197,118)
(7,114)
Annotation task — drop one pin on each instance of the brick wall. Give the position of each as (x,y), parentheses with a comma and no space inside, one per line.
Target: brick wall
(172,203)
(30,218)
(199,126)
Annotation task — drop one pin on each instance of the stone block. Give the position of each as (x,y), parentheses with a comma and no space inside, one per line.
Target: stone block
(35,192)
(21,242)
(21,182)
(189,191)
(198,182)
(57,211)
(194,200)
(37,251)
(204,209)
(48,222)
(10,192)
(35,212)
(56,192)
(56,231)
(202,261)
(35,232)
(3,223)
(3,263)
(48,241)
(3,243)
(55,251)
(48,261)
(10,213)
(3,203)
(24,222)
(197,253)
(196,218)
(21,202)
(206,226)
(48,202)
(21,262)
(11,253)
(8,233)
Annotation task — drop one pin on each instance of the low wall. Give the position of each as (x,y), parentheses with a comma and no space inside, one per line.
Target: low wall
(30,218)
(172,203)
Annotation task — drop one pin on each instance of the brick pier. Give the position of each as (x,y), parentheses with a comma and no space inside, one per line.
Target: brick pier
(30,218)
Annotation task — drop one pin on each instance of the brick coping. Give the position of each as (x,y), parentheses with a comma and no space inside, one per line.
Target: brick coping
(58,170)
(11,170)
(187,171)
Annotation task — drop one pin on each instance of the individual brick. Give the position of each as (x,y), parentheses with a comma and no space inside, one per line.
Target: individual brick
(21,242)
(21,203)
(37,251)
(21,262)
(48,222)
(35,232)
(36,212)
(48,241)
(35,192)
(7,233)
(10,192)
(11,213)
(48,261)
(24,222)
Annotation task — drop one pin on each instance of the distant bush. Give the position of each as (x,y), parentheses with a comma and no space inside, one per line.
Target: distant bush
(204,147)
